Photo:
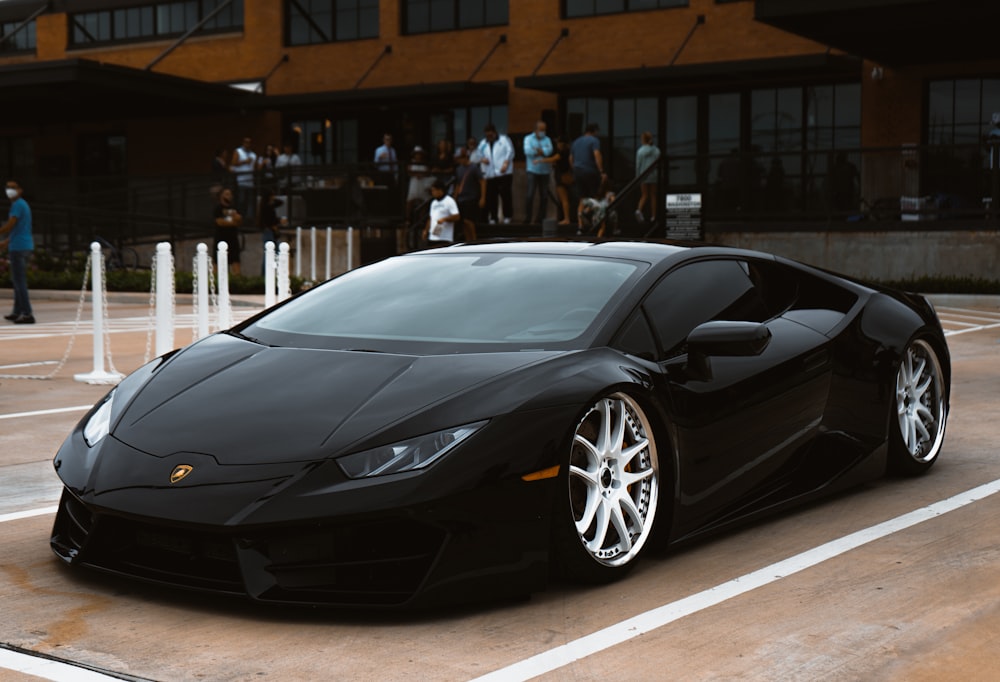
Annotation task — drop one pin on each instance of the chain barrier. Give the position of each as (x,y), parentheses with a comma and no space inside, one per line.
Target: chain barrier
(72,339)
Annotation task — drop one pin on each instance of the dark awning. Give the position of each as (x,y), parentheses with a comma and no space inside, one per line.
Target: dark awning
(892,32)
(656,78)
(19,10)
(454,93)
(84,90)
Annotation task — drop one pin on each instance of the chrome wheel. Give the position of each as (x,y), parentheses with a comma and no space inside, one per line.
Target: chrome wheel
(613,481)
(921,410)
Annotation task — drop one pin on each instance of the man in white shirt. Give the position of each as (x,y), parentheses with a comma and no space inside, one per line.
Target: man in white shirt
(243,165)
(496,154)
(284,165)
(440,229)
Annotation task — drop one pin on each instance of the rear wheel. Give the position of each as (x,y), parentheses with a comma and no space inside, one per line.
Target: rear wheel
(920,410)
(612,485)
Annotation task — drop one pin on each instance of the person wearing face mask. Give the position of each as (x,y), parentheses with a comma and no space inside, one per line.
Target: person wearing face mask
(538,156)
(19,243)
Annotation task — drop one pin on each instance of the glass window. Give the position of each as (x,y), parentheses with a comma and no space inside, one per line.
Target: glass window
(425,16)
(454,303)
(589,8)
(153,21)
(726,293)
(631,116)
(23,40)
(681,145)
(958,121)
(310,22)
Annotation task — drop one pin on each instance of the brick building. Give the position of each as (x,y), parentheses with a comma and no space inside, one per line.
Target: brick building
(105,95)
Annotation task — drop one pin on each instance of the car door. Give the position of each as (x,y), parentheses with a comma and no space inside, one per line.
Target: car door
(741,419)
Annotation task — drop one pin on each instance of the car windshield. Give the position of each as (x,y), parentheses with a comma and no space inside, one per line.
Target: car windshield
(465,302)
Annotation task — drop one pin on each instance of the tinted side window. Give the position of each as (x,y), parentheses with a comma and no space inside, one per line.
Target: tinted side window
(699,292)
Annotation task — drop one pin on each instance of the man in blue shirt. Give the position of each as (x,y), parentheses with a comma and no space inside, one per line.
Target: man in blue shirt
(587,162)
(537,152)
(19,244)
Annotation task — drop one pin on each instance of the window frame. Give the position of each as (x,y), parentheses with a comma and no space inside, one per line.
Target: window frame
(328,34)
(117,34)
(406,7)
(627,8)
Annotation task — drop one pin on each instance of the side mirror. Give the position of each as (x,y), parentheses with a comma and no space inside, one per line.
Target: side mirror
(722,338)
(729,339)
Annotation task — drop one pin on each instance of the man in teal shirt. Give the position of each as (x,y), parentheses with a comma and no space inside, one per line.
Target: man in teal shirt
(19,244)
(537,154)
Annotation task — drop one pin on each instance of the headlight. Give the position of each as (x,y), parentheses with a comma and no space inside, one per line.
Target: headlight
(99,424)
(407,455)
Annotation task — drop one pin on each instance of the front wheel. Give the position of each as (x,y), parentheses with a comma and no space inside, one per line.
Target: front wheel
(612,487)
(917,427)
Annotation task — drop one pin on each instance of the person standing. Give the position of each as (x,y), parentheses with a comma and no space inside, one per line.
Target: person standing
(19,245)
(469,188)
(538,155)
(286,166)
(496,156)
(386,160)
(270,223)
(227,221)
(444,213)
(587,162)
(243,166)
(564,178)
(647,155)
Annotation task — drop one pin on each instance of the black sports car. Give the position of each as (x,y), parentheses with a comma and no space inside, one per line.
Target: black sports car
(458,423)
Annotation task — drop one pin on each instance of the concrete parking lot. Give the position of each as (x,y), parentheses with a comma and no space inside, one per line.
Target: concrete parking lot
(896,580)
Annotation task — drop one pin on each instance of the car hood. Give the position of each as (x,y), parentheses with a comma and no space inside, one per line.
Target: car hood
(244,403)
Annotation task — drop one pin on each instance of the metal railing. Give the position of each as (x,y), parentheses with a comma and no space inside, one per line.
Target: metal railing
(953,185)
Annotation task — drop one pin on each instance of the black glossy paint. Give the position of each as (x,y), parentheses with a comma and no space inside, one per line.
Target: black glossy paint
(759,415)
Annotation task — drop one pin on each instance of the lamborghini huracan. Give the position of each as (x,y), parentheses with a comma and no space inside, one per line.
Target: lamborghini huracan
(477,420)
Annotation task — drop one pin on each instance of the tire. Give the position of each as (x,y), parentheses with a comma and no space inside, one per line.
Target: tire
(612,484)
(920,410)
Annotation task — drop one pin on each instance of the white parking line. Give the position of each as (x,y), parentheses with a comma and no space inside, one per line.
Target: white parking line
(556,658)
(28,513)
(39,413)
(50,668)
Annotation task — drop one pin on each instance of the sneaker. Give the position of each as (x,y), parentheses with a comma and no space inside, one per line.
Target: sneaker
(493,221)
(506,221)
(640,217)
(12,316)
(24,319)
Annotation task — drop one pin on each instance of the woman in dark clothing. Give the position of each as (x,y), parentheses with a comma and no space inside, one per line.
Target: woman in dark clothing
(227,221)
(564,177)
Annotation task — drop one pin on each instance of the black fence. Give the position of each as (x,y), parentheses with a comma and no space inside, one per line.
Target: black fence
(954,185)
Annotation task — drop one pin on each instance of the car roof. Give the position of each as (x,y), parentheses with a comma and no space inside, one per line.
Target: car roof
(644,250)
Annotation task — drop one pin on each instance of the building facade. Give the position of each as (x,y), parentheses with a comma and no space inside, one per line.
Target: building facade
(774,108)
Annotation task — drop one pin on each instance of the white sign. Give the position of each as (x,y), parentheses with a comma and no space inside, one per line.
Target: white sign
(686,203)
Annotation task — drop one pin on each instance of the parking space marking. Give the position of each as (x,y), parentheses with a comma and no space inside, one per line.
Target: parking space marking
(51,668)
(39,413)
(561,656)
(28,513)
(969,319)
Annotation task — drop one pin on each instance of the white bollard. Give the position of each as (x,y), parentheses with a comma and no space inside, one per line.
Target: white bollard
(312,254)
(329,250)
(284,281)
(201,267)
(164,299)
(225,307)
(99,375)
(350,248)
(298,252)
(269,275)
